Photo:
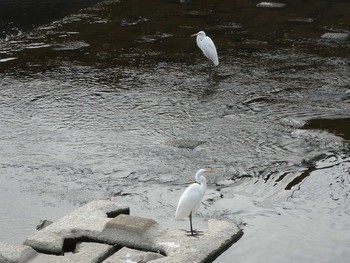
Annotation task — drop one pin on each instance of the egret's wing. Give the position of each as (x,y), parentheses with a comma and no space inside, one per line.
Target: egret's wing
(189,200)
(209,50)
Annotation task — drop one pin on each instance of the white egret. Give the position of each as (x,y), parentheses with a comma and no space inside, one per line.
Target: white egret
(207,46)
(192,197)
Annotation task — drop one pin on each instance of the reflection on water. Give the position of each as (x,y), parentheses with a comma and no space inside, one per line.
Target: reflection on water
(17,17)
(340,127)
(115,101)
(306,224)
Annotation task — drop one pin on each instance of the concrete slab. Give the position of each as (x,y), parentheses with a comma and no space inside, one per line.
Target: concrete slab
(181,247)
(43,223)
(46,242)
(100,237)
(87,221)
(132,231)
(132,224)
(86,252)
(10,253)
(131,255)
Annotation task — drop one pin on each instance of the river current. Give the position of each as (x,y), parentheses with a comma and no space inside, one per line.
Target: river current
(114,101)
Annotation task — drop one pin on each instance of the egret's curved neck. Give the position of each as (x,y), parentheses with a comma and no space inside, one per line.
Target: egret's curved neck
(201,179)
(200,38)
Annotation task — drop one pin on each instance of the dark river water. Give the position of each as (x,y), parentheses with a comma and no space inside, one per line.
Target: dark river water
(114,101)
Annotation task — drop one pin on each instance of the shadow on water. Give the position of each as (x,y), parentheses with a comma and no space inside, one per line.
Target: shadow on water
(340,127)
(114,101)
(17,17)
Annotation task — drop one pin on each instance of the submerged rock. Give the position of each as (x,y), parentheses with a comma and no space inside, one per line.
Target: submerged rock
(335,36)
(184,143)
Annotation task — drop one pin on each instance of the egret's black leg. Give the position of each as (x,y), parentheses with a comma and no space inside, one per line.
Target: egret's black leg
(191,224)
(209,66)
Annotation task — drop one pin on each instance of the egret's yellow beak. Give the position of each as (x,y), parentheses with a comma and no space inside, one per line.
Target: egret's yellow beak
(211,171)
(194,35)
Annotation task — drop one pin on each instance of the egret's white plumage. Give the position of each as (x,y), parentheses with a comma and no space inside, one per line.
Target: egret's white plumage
(192,197)
(207,46)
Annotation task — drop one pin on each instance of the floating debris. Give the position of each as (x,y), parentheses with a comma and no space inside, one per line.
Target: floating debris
(301,20)
(72,46)
(133,22)
(7,59)
(37,45)
(73,33)
(271,5)
(197,13)
(146,40)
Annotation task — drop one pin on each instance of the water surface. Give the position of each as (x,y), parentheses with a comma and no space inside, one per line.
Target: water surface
(114,101)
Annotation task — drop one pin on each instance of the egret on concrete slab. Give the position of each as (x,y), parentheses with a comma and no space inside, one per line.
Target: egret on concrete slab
(192,197)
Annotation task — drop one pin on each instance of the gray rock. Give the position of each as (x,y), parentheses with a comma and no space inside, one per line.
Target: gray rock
(185,143)
(10,253)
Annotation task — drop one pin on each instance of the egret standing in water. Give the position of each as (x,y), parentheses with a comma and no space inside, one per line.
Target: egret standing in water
(192,197)
(207,46)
